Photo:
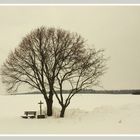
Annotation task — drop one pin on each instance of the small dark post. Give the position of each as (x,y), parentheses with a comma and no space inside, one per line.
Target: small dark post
(40,103)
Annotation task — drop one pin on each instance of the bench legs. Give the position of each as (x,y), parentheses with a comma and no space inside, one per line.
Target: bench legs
(26,117)
(32,117)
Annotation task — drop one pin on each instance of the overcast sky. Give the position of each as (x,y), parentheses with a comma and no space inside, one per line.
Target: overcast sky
(114,28)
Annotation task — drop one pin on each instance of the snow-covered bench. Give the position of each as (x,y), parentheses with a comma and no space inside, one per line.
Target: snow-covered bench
(29,114)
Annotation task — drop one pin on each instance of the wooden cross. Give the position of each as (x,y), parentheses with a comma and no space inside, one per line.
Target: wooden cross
(40,103)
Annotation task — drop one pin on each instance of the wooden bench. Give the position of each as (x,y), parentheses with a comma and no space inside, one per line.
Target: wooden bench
(29,114)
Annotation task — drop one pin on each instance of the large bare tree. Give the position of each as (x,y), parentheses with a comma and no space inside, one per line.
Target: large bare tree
(40,58)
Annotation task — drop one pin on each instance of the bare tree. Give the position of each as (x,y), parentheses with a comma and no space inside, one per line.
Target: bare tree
(82,70)
(39,59)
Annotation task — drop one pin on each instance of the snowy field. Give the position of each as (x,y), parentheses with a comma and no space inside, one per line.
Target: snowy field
(87,114)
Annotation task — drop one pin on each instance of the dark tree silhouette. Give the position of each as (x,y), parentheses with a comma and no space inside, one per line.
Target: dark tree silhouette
(40,60)
(81,70)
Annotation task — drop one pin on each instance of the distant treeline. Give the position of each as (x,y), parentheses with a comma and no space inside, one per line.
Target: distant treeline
(91,91)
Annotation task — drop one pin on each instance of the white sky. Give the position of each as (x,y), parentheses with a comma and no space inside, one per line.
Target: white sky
(114,28)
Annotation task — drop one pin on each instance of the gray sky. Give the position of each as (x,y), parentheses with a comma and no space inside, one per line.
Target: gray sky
(114,28)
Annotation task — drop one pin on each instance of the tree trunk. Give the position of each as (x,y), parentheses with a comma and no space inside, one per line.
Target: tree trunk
(62,113)
(49,107)
(49,103)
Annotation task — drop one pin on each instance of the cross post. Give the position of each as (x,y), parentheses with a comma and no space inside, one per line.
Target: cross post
(40,103)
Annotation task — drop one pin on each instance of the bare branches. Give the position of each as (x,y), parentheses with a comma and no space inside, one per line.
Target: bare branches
(41,56)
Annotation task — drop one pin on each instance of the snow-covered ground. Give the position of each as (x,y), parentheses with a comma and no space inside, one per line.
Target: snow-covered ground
(87,114)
